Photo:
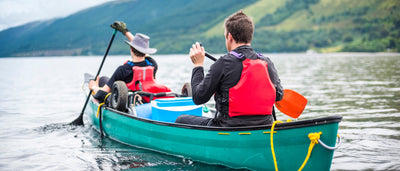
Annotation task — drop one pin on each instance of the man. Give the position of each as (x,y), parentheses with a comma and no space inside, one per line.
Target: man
(245,83)
(139,48)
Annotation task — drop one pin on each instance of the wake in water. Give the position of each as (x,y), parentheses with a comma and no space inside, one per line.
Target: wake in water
(49,128)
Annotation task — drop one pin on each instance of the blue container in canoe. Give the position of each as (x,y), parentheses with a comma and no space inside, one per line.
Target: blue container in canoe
(168,109)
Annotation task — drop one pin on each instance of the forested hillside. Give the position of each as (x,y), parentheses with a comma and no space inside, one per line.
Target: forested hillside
(173,25)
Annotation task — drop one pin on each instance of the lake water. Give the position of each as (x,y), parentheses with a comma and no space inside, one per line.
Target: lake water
(39,95)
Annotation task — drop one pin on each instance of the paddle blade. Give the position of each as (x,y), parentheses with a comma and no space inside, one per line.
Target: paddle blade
(88,77)
(292,103)
(78,121)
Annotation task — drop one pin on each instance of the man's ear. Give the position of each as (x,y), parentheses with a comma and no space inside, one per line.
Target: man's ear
(229,37)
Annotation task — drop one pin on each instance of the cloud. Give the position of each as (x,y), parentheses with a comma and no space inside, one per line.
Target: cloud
(18,12)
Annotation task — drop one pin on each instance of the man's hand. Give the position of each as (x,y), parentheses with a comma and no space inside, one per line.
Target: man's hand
(120,26)
(197,54)
(94,84)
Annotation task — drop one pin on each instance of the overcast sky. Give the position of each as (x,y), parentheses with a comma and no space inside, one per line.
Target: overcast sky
(18,12)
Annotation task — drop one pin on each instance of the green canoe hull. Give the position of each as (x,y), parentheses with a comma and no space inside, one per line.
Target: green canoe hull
(245,147)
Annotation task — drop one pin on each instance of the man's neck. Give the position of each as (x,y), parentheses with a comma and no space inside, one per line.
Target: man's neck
(236,45)
(137,59)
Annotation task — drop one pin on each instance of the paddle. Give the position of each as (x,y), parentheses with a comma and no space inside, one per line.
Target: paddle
(79,120)
(292,103)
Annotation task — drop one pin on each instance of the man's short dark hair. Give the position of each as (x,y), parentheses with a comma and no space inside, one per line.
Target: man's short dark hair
(137,53)
(240,26)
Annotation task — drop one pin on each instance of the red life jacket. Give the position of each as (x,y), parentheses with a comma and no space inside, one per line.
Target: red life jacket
(143,80)
(254,94)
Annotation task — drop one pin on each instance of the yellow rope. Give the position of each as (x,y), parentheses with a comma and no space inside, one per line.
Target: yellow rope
(272,144)
(105,98)
(98,109)
(314,137)
(101,104)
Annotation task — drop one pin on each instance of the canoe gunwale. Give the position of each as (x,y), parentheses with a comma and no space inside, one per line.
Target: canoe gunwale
(279,126)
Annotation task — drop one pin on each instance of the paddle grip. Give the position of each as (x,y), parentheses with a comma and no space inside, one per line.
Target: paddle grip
(207,54)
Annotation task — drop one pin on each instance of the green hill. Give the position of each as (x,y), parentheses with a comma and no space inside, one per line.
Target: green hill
(173,25)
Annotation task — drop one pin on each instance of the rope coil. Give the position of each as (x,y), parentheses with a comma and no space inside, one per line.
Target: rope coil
(314,139)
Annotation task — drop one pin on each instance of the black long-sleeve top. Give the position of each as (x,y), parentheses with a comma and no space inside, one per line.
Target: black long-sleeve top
(223,75)
(125,73)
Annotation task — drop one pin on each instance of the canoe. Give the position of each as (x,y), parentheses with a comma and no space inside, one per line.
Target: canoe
(151,126)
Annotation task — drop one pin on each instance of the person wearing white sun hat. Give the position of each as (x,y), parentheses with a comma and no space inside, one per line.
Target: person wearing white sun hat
(139,51)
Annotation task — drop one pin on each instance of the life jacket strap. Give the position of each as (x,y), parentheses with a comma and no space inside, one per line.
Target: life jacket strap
(130,63)
(237,55)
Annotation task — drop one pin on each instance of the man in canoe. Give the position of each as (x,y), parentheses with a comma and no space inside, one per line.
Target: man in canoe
(245,84)
(139,50)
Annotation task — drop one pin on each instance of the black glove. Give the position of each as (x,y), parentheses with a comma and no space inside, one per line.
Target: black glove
(120,26)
